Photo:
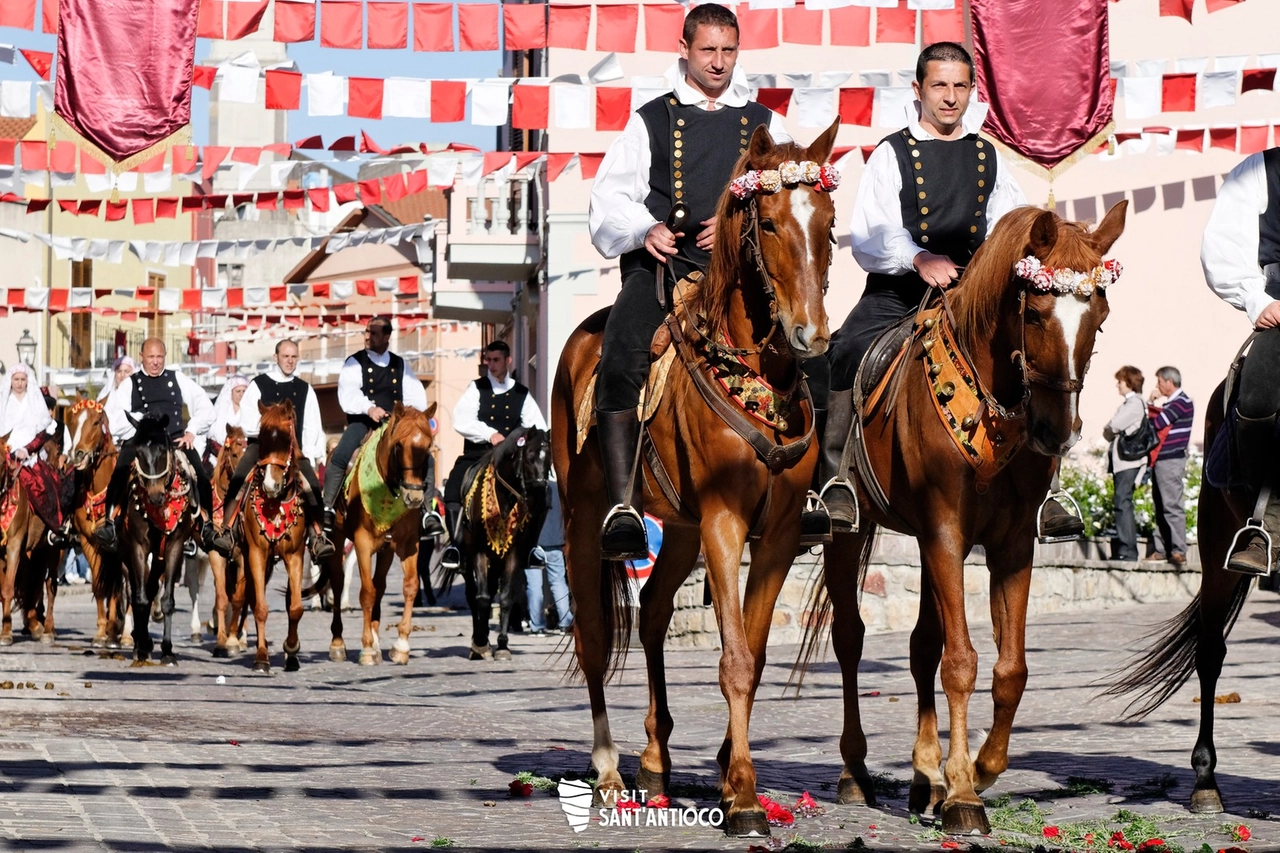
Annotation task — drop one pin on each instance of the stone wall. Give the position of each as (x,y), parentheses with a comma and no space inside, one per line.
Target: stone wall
(1067,576)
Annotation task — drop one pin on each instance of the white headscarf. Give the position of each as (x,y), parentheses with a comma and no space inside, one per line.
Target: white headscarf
(225,412)
(111,377)
(26,417)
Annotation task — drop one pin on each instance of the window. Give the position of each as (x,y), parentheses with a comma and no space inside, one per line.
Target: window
(81,344)
(156,323)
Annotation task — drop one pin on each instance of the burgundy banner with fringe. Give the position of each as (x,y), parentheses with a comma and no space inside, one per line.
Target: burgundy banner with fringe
(1045,69)
(124,74)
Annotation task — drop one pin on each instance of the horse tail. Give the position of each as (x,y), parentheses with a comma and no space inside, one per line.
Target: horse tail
(818,613)
(321,584)
(618,607)
(1160,671)
(108,580)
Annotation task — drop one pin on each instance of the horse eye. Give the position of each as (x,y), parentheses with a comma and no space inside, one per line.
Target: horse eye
(1033,316)
(767,225)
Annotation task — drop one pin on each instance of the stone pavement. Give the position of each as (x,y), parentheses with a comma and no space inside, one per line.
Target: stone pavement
(102,755)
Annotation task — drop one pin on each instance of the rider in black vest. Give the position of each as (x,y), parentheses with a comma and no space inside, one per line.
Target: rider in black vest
(275,386)
(489,410)
(1241,259)
(153,390)
(679,149)
(371,383)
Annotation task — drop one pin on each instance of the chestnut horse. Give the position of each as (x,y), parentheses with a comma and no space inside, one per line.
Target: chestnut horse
(1196,639)
(29,571)
(764,289)
(274,528)
(1026,351)
(380,511)
(228,619)
(92,459)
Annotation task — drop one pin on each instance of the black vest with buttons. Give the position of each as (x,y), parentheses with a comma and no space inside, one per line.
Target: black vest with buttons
(1269,221)
(692,155)
(293,389)
(160,395)
(945,188)
(383,385)
(500,411)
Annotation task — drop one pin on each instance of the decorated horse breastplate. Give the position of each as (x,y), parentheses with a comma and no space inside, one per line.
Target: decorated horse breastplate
(987,439)
(748,389)
(160,395)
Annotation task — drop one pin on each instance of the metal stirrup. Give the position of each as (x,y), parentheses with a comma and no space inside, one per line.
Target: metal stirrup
(1059,495)
(842,483)
(1251,527)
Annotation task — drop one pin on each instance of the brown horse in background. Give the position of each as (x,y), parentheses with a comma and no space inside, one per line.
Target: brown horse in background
(1196,639)
(763,291)
(402,449)
(274,528)
(92,459)
(228,620)
(1028,351)
(30,568)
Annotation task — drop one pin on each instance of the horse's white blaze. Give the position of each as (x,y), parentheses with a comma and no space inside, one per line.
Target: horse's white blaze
(75,439)
(802,210)
(1070,311)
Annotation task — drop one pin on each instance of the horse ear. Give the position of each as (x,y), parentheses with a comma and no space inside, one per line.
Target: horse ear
(132,420)
(820,151)
(398,411)
(163,421)
(431,411)
(1044,233)
(262,407)
(1106,234)
(761,144)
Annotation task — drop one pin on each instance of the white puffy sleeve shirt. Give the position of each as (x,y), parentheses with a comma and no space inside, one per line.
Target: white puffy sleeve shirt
(1229,251)
(466,412)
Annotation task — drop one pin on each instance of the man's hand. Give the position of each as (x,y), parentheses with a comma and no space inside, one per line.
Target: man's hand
(707,236)
(496,439)
(660,241)
(936,270)
(1270,316)
(376,414)
(187,441)
(21,454)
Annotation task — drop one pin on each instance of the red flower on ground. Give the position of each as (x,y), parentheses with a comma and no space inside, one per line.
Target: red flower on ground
(951,845)
(662,801)
(807,806)
(516,788)
(1241,833)
(628,806)
(1152,844)
(1088,839)
(775,813)
(1050,832)
(1119,841)
(1232,850)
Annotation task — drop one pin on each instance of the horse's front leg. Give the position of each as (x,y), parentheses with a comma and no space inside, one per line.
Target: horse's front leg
(139,563)
(928,786)
(942,559)
(52,561)
(841,572)
(408,565)
(723,535)
(676,560)
(502,585)
(218,568)
(293,566)
(193,574)
(258,557)
(1010,586)
(481,603)
(9,591)
(173,560)
(365,545)
(337,583)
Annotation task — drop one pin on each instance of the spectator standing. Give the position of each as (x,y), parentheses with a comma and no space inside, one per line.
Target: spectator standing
(1125,473)
(1173,422)
(548,556)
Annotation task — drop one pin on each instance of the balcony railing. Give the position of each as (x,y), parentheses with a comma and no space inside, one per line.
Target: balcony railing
(493,230)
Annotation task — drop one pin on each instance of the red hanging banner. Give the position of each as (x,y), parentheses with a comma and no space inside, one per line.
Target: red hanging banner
(1047,78)
(128,104)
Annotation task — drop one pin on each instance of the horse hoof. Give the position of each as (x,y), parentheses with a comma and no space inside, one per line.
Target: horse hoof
(480,652)
(99,643)
(1206,801)
(169,660)
(291,663)
(502,654)
(652,783)
(338,654)
(112,645)
(965,819)
(851,792)
(925,800)
(221,652)
(6,640)
(262,666)
(399,657)
(46,639)
(37,633)
(197,638)
(746,824)
(370,658)
(605,795)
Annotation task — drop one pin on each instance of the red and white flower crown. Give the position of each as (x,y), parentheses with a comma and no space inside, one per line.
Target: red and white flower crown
(1064,281)
(824,178)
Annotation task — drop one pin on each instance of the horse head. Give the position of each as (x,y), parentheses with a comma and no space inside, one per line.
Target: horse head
(87,423)
(408,440)
(154,457)
(524,458)
(276,445)
(775,227)
(1041,329)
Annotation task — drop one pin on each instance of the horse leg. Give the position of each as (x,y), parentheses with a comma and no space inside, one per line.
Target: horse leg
(657,605)
(50,571)
(505,595)
(368,597)
(349,565)
(293,565)
(723,535)
(928,787)
(962,810)
(8,592)
(259,561)
(337,589)
(141,606)
(482,602)
(408,565)
(1010,586)
(847,633)
(192,575)
(105,620)
(174,560)
(218,569)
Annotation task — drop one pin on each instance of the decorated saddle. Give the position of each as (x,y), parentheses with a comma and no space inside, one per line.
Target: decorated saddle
(382,505)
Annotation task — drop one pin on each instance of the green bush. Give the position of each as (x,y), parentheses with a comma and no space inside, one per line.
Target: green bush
(1093,489)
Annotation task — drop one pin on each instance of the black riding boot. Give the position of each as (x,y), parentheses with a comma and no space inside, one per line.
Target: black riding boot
(1255,457)
(837,492)
(622,537)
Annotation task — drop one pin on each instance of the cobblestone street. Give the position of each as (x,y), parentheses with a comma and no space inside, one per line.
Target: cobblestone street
(97,754)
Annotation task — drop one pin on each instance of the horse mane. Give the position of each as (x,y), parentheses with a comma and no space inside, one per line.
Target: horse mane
(978,299)
(276,426)
(724,272)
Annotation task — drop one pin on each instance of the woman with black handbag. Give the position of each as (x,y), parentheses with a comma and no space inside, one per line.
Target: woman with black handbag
(1127,434)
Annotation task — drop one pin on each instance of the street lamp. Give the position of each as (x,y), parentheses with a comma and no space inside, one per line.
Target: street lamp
(26,347)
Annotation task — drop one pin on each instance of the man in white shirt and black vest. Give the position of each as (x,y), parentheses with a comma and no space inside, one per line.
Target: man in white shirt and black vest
(154,390)
(677,150)
(490,409)
(371,383)
(275,386)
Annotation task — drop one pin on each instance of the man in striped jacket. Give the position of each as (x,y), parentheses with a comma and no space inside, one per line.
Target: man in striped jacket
(1169,470)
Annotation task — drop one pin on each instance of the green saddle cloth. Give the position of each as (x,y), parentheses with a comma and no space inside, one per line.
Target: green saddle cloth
(380,504)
